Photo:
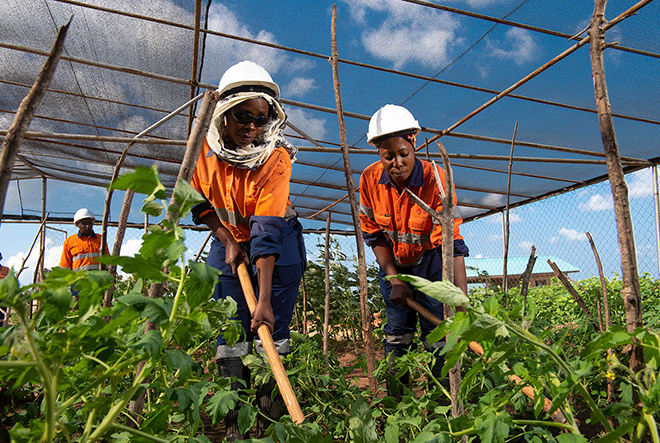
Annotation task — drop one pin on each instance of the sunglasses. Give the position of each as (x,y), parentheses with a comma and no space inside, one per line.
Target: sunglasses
(245,118)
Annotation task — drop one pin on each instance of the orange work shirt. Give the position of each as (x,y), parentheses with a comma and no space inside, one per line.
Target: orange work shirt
(81,253)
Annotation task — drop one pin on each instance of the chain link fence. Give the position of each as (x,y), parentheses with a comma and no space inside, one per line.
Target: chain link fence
(556,226)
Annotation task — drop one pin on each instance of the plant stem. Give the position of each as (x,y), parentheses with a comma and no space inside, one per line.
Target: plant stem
(653,427)
(177,297)
(546,423)
(121,427)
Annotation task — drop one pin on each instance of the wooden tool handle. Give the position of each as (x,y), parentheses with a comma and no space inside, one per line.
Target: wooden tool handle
(479,350)
(271,352)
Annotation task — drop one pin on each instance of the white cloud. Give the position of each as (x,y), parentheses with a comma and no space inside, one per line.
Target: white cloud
(408,33)
(479,256)
(299,86)
(314,127)
(518,45)
(131,247)
(493,200)
(495,237)
(573,235)
(640,184)
(526,245)
(553,240)
(598,202)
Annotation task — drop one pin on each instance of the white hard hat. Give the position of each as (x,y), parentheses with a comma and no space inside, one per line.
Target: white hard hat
(247,73)
(391,119)
(82,213)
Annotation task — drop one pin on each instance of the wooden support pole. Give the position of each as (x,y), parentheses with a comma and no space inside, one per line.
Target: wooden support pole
(447,218)
(326,310)
(526,276)
(26,110)
(507,230)
(362,264)
(630,290)
(119,239)
(304,303)
(571,290)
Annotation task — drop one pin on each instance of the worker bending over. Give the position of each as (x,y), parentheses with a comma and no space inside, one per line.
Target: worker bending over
(405,238)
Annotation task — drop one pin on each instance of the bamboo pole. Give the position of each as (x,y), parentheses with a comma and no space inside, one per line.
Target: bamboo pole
(362,265)
(42,242)
(656,203)
(326,315)
(271,351)
(447,218)
(507,230)
(630,289)
(26,109)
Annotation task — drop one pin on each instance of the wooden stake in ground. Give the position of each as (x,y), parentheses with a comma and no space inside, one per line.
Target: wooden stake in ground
(25,111)
(571,290)
(630,290)
(326,315)
(526,276)
(362,263)
(447,218)
(304,303)
(119,239)
(505,280)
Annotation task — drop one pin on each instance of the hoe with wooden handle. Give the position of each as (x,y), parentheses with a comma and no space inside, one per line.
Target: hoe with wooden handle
(271,352)
(476,347)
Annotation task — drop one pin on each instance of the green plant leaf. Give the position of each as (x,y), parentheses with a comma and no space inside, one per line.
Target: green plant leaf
(485,327)
(222,402)
(186,197)
(136,265)
(247,416)
(9,294)
(150,344)
(392,433)
(442,290)
(92,289)
(201,282)
(157,310)
(143,181)
(56,303)
(175,359)
(362,426)
(571,438)
(494,428)
(430,437)
(152,208)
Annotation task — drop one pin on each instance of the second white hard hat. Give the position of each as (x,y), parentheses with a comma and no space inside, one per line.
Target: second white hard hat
(391,119)
(247,73)
(82,213)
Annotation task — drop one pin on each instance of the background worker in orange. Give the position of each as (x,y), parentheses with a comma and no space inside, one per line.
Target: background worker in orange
(4,271)
(82,250)
(244,172)
(405,239)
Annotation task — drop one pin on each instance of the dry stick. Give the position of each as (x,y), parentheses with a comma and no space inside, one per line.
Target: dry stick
(362,265)
(630,290)
(326,315)
(479,350)
(199,253)
(119,239)
(186,170)
(447,217)
(605,307)
(26,110)
(328,207)
(526,276)
(268,344)
(18,274)
(115,173)
(505,281)
(571,290)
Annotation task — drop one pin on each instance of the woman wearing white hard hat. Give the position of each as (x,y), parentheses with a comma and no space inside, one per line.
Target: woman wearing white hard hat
(404,238)
(244,172)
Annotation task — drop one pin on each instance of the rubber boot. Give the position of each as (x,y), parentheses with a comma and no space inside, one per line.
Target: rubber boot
(233,367)
(271,408)
(395,385)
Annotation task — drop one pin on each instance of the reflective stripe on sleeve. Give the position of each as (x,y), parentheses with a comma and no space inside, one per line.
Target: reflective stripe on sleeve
(233,218)
(408,238)
(84,256)
(369,212)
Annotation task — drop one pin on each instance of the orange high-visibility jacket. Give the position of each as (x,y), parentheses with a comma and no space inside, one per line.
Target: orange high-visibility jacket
(81,253)
(383,210)
(243,198)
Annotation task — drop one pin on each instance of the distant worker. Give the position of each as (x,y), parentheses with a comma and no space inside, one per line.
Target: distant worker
(404,237)
(82,250)
(244,172)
